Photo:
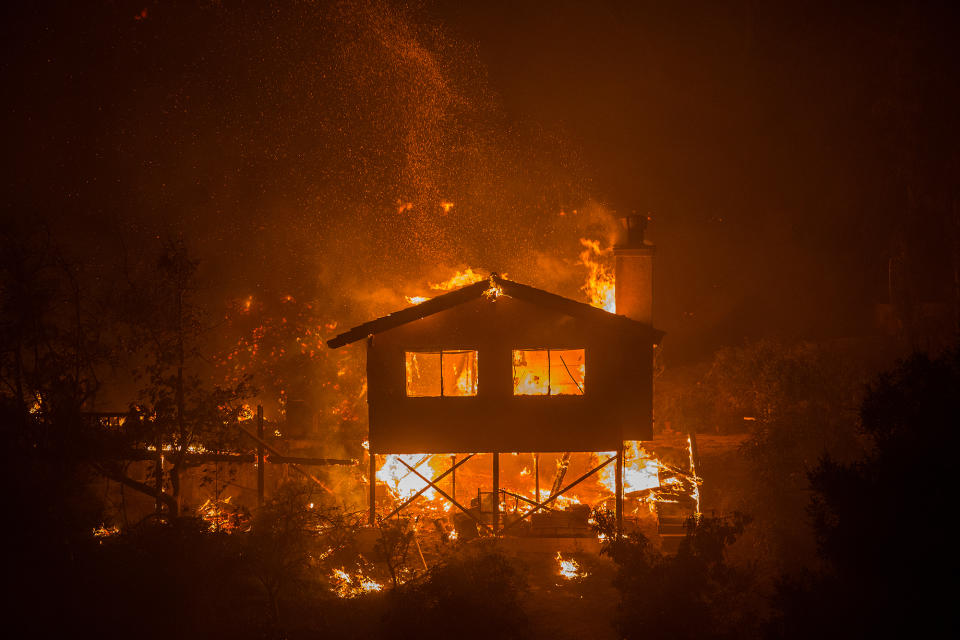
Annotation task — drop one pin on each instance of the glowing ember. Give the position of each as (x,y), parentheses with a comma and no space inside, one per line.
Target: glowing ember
(494,291)
(220,515)
(351,586)
(105,532)
(570,569)
(696,480)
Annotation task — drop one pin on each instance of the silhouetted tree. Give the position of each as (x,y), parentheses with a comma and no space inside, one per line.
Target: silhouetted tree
(178,411)
(882,522)
(695,593)
(454,592)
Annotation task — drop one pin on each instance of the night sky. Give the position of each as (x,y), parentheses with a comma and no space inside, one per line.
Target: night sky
(785,153)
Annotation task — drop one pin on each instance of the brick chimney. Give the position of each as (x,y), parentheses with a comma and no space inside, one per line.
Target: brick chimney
(633,270)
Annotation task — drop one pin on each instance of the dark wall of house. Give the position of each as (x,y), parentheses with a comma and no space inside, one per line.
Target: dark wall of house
(616,404)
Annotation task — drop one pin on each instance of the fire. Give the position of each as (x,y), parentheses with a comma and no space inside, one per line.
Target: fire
(220,515)
(37,405)
(403,483)
(105,532)
(459,279)
(641,470)
(696,480)
(600,286)
(351,586)
(570,569)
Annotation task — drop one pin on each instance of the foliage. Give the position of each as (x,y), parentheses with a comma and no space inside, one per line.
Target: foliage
(693,594)
(280,343)
(477,582)
(795,401)
(880,521)
(288,538)
(393,548)
(177,410)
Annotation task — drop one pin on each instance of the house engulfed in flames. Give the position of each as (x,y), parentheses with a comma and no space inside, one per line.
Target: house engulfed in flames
(500,367)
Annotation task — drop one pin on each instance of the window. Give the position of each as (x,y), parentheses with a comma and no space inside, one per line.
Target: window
(553,372)
(441,373)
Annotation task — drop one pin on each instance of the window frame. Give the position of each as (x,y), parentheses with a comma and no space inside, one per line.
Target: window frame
(476,358)
(581,386)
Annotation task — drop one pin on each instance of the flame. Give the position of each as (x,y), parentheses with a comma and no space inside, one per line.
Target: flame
(600,286)
(245,413)
(494,291)
(400,481)
(36,405)
(105,532)
(446,206)
(696,480)
(351,586)
(459,279)
(219,515)
(570,569)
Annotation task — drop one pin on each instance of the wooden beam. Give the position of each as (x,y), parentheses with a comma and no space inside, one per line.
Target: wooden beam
(421,491)
(372,520)
(444,494)
(546,502)
(619,490)
(261,479)
(496,492)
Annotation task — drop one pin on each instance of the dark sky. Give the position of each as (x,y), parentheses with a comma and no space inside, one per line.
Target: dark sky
(785,151)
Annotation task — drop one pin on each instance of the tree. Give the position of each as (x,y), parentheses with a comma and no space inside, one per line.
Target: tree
(881,521)
(472,579)
(795,401)
(177,411)
(693,594)
(288,539)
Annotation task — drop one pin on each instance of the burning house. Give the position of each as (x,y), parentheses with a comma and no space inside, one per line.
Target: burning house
(500,367)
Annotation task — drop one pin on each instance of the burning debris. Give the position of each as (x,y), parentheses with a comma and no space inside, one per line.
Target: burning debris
(347,585)
(570,568)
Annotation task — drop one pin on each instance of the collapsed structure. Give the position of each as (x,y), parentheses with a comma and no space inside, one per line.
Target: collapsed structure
(500,367)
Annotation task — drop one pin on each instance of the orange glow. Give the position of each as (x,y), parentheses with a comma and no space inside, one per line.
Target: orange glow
(459,279)
(441,373)
(570,569)
(346,585)
(600,286)
(548,372)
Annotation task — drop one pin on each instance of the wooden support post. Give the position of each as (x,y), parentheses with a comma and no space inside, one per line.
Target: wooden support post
(261,479)
(159,473)
(373,489)
(536,473)
(453,476)
(496,493)
(619,503)
(546,503)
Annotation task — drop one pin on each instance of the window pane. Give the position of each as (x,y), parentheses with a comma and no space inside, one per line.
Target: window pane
(567,369)
(459,373)
(423,374)
(530,372)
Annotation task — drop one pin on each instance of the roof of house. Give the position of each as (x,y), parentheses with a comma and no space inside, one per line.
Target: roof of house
(502,286)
